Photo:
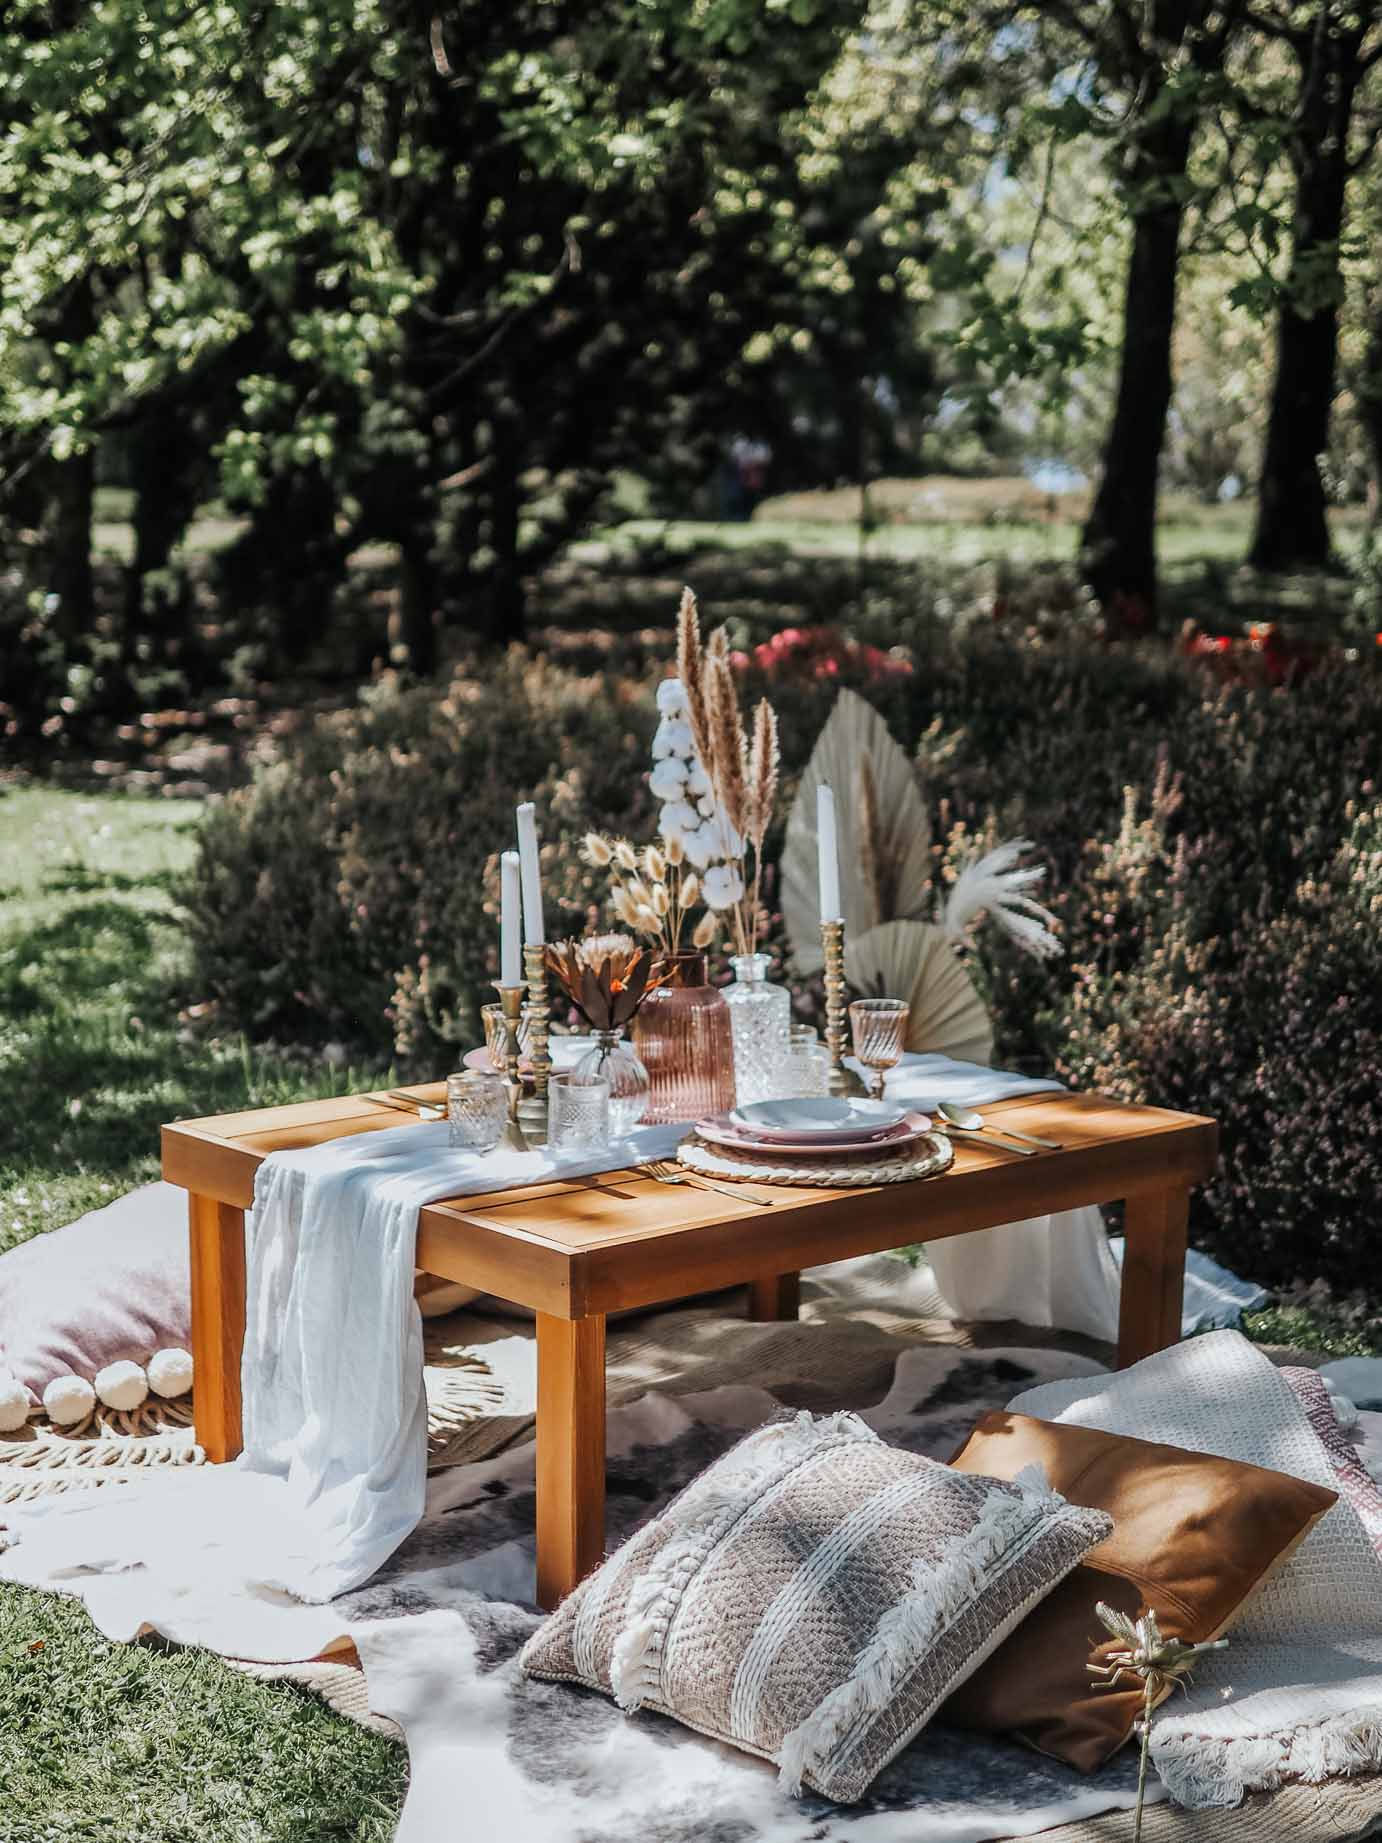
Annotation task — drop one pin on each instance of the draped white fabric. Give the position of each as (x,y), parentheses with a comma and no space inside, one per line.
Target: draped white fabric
(1055,1271)
(335,1417)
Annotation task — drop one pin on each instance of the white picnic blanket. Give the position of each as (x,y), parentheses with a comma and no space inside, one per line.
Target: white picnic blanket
(333,1473)
(1298,1693)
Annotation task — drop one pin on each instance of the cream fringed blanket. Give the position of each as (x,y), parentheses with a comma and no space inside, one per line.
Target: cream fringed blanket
(1298,1693)
(438,1630)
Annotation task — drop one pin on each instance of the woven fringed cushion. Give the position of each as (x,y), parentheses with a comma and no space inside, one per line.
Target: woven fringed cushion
(814,1596)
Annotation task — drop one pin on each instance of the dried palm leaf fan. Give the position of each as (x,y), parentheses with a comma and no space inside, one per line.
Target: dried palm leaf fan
(884,832)
(914,960)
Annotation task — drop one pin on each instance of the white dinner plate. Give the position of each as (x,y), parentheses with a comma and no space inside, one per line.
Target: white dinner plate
(812,1118)
(721,1131)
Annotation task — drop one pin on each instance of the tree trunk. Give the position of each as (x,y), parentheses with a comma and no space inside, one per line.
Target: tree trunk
(71,498)
(508,612)
(1118,546)
(1368,391)
(164,474)
(1292,531)
(418,601)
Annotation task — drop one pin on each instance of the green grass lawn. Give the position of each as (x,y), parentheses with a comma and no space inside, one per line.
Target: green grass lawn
(135,1743)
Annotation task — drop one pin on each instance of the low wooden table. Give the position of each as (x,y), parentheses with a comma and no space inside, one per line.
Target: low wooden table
(577,1249)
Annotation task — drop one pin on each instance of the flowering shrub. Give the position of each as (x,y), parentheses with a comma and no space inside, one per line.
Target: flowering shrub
(1215,856)
(825,654)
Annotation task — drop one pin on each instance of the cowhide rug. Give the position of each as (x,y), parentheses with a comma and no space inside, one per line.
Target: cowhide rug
(439,1631)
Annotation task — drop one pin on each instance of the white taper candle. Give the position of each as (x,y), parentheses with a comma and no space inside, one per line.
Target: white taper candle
(827,854)
(531,873)
(510,903)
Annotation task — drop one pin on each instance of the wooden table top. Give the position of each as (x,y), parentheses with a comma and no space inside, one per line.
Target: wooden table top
(572,1247)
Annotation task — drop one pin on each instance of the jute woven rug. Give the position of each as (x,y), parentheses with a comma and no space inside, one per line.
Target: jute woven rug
(857,1321)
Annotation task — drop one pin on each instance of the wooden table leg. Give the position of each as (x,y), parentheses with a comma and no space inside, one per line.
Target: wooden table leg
(1149,1307)
(218,1324)
(774,1295)
(570,1452)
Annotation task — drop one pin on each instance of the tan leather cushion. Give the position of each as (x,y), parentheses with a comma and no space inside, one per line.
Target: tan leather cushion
(1192,1537)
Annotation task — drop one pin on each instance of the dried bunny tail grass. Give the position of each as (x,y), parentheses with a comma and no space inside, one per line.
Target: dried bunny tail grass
(624,906)
(690,892)
(597,850)
(706,930)
(728,745)
(674,850)
(654,864)
(691,671)
(660,901)
(624,854)
(765,765)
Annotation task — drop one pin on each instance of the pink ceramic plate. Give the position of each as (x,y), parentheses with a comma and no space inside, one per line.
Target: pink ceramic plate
(723,1131)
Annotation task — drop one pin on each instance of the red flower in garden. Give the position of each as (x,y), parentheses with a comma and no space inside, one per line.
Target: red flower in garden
(822,653)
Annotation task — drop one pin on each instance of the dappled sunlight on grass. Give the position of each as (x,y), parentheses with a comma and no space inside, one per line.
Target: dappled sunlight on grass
(94,1055)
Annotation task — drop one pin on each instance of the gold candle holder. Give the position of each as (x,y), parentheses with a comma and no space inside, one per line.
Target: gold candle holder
(532,1108)
(843,1080)
(511,1002)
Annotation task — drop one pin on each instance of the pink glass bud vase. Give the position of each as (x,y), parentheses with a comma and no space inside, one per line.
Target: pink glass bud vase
(684,1039)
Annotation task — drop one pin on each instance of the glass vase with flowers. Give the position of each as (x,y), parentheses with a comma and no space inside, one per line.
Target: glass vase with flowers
(681,1031)
(607,978)
(733,773)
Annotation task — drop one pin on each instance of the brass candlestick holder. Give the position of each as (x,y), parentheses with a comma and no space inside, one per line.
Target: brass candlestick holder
(532,1108)
(511,1002)
(843,1080)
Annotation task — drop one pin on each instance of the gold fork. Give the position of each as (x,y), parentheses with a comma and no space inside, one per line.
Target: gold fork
(410,1104)
(665,1172)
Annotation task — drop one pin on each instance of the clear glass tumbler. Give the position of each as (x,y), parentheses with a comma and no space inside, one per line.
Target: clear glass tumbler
(477,1108)
(807,1068)
(577,1111)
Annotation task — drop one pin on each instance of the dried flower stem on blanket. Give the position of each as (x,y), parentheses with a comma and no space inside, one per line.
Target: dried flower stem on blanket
(1158,1663)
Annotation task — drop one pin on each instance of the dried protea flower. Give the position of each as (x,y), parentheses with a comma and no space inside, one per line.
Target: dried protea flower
(606,977)
(595,949)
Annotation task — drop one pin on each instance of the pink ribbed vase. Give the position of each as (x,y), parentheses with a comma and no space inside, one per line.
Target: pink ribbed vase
(684,1039)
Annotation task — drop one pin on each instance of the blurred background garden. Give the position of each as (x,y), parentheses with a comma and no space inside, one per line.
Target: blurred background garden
(372,377)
